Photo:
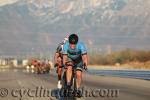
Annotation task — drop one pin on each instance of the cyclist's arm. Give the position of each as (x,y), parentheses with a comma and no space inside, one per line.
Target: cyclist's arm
(57,54)
(56,57)
(85,59)
(65,57)
(65,53)
(84,54)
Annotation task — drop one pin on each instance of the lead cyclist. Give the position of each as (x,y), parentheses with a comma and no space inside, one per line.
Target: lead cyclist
(74,52)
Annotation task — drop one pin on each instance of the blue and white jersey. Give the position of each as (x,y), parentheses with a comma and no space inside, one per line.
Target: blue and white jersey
(76,53)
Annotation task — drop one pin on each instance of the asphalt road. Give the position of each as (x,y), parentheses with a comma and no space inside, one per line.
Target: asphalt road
(23,85)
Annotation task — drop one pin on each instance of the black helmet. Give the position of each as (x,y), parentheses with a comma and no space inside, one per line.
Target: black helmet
(73,39)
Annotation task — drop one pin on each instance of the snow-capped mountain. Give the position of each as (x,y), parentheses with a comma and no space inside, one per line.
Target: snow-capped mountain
(31,25)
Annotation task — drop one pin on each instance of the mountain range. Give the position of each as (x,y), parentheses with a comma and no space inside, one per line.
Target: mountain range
(33,27)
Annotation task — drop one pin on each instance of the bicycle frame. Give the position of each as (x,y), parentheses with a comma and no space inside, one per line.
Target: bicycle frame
(73,82)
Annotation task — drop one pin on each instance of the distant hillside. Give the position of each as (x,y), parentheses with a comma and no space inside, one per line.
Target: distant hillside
(33,26)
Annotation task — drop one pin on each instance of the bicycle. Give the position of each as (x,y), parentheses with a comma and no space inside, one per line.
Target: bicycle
(71,93)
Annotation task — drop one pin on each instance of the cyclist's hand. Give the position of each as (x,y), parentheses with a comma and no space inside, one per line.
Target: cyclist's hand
(85,66)
(56,64)
(68,64)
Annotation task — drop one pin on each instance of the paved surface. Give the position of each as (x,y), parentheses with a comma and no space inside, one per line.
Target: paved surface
(137,73)
(24,85)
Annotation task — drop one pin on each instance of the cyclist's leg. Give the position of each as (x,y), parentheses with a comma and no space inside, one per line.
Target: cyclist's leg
(59,71)
(69,71)
(59,68)
(79,74)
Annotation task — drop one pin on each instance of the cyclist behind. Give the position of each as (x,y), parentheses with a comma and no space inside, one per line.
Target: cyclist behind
(74,55)
(58,61)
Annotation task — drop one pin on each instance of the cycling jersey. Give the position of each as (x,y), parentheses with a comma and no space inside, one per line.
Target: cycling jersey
(76,53)
(60,49)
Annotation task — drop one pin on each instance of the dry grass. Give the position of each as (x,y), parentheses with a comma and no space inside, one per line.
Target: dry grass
(130,58)
(139,65)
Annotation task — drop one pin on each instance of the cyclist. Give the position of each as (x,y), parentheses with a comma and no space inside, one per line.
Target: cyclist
(74,55)
(58,61)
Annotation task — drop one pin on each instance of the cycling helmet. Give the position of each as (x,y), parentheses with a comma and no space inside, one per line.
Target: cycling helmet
(65,39)
(73,39)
